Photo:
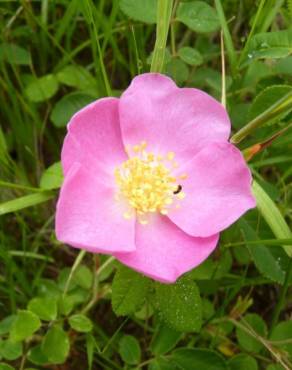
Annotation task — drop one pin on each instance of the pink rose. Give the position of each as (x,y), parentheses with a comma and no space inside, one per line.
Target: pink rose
(151,178)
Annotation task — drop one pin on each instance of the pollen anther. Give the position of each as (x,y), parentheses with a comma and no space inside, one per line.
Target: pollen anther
(146,183)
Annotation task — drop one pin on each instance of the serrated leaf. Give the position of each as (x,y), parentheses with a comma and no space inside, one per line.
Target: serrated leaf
(129,290)
(44,307)
(266,259)
(42,89)
(76,76)
(6,323)
(129,350)
(177,70)
(140,10)
(190,359)
(80,323)
(164,340)
(242,362)
(198,16)
(247,341)
(56,345)
(190,56)
(69,104)
(6,366)
(14,54)
(24,325)
(282,332)
(83,277)
(36,355)
(10,350)
(52,177)
(179,305)
(267,98)
(270,45)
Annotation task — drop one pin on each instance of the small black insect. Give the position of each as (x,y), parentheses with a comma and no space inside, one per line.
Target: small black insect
(178,190)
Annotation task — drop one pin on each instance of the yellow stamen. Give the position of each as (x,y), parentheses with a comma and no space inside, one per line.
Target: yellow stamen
(147,184)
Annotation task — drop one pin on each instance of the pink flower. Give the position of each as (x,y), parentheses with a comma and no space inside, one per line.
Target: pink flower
(151,178)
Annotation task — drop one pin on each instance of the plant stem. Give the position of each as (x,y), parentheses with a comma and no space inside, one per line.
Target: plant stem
(281,300)
(256,19)
(77,262)
(164,10)
(282,105)
(94,298)
(227,37)
(271,214)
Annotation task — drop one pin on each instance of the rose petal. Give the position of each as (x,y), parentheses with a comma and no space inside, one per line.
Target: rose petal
(164,252)
(168,118)
(89,218)
(218,191)
(94,138)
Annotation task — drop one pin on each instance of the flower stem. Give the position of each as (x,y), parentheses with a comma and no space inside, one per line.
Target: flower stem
(164,10)
(281,300)
(281,106)
(76,264)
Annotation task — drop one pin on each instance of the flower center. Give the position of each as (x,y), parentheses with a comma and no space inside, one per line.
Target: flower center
(146,182)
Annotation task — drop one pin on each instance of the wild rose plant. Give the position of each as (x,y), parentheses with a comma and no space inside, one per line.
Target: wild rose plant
(151,178)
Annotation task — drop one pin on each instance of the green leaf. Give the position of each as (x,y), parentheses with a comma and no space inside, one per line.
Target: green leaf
(275,367)
(45,307)
(198,16)
(179,305)
(272,215)
(164,340)
(76,76)
(266,259)
(80,323)
(52,177)
(283,66)
(140,10)
(190,359)
(24,325)
(282,332)
(267,98)
(24,202)
(129,350)
(190,56)
(83,277)
(162,363)
(177,70)
(42,89)
(242,362)
(6,323)
(14,54)
(6,366)
(270,45)
(129,290)
(10,350)
(247,341)
(67,106)
(36,356)
(56,345)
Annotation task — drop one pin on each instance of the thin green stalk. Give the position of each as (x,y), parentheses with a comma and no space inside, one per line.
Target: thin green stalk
(164,10)
(227,36)
(94,298)
(76,264)
(282,105)
(25,202)
(252,31)
(281,300)
(272,215)
(102,66)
